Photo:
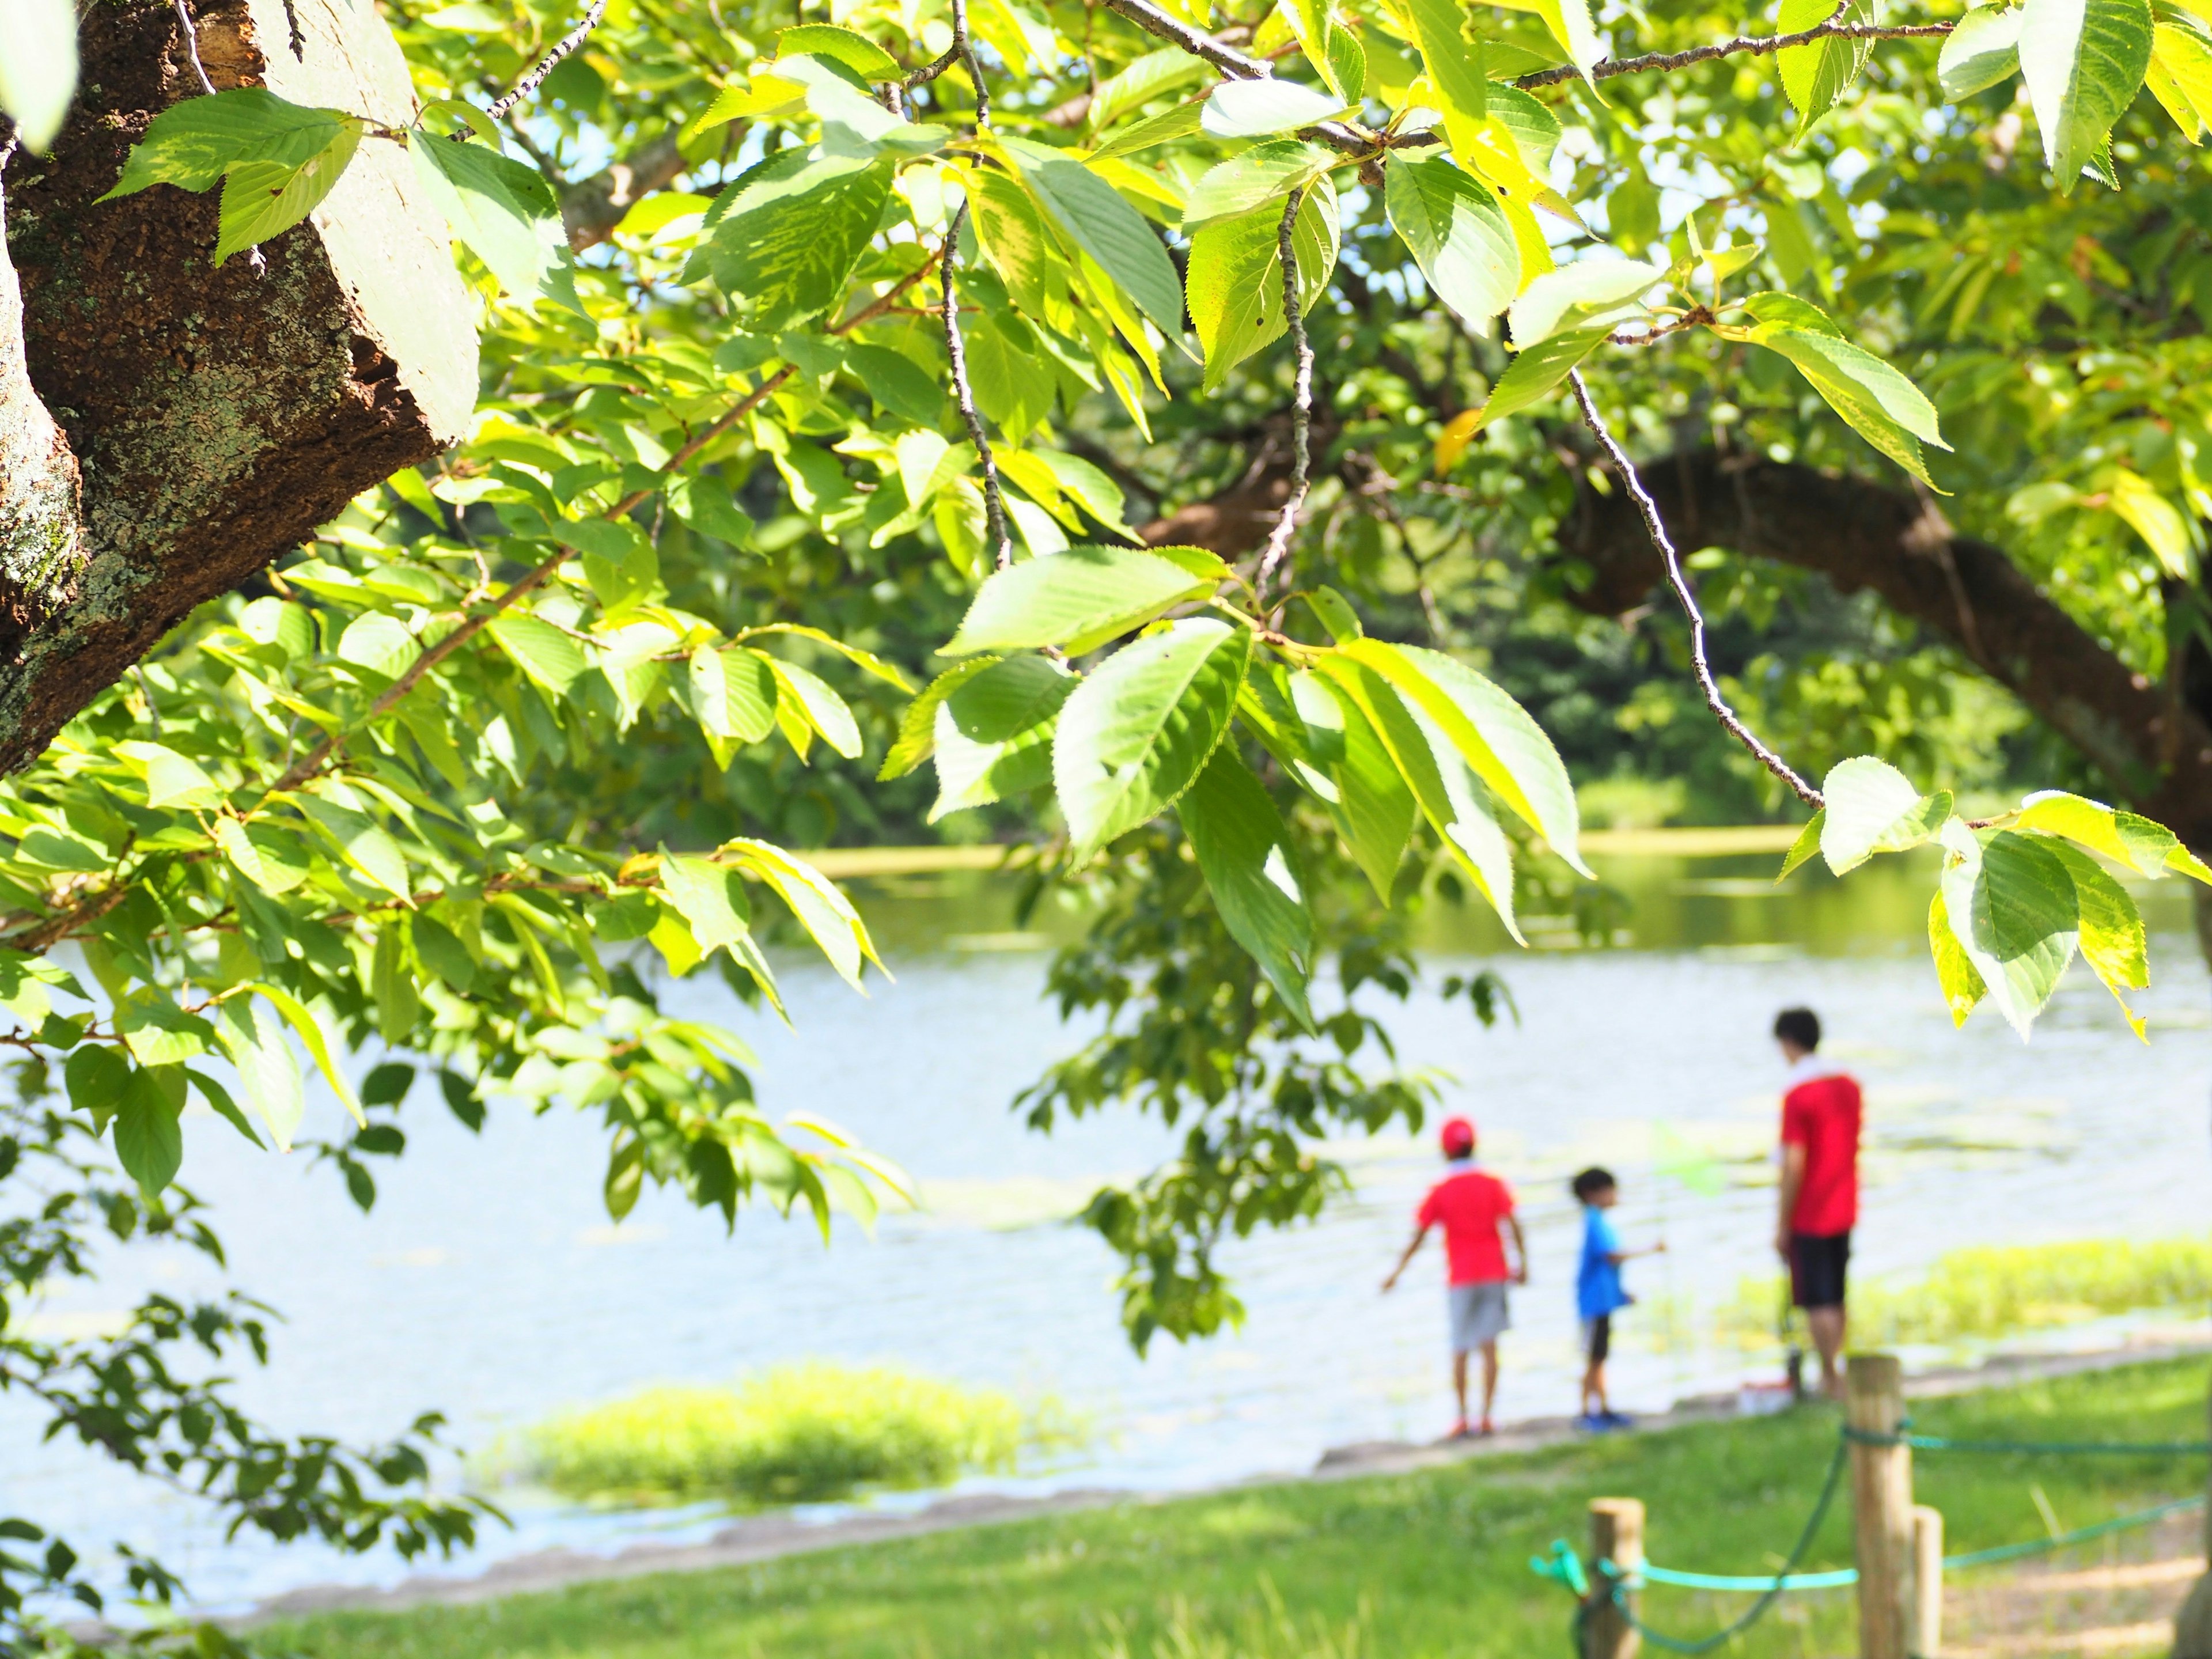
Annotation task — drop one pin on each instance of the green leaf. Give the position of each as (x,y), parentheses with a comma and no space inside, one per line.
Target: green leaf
(2113,941)
(1181,121)
(252,1036)
(310,1032)
(788,243)
(1134,733)
(1258,109)
(2180,76)
(733,693)
(195,142)
(1244,852)
(547,655)
(263,199)
(855,51)
(1459,236)
(1105,227)
(1013,237)
(1589,292)
(1154,76)
(1505,748)
(2083,61)
(38,67)
(1982,50)
(1801,849)
(440,949)
(392,985)
(1874,808)
(149,1138)
(172,780)
(270,858)
(96,1077)
(896,383)
(826,914)
(808,695)
(711,899)
(993,731)
(1372,806)
(917,733)
(1235,288)
(2124,838)
(1455,71)
(1265,173)
(1537,371)
(1078,600)
(379,641)
(364,845)
(1815,77)
(161,1034)
(1569,23)
(505,211)
(1875,401)
(1963,989)
(2011,903)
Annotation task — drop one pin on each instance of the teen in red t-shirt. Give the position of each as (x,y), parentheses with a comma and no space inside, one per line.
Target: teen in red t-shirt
(1475,1209)
(1820,1196)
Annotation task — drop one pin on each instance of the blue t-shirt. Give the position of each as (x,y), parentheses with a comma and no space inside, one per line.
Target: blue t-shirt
(1598,1285)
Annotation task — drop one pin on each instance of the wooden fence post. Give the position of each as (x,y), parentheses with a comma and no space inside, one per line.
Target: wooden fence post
(1881,1503)
(2192,1626)
(1923,1625)
(1616,1534)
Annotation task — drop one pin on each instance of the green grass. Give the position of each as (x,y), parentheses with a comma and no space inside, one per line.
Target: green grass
(1413,1566)
(1994,1292)
(796,1434)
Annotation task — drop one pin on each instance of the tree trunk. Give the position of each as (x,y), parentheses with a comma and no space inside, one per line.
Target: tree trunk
(217,415)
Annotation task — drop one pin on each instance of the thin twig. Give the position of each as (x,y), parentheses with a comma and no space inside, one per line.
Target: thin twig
(253,256)
(1286,521)
(1656,529)
(1236,65)
(1757,45)
(568,43)
(994,503)
(965,42)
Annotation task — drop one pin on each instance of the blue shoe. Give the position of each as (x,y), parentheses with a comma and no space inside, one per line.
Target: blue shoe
(1593,1422)
(1618,1421)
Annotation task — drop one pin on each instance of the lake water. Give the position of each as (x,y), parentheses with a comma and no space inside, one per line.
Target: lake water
(488,1283)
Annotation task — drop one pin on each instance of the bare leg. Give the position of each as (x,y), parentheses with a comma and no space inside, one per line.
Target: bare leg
(1596,1386)
(1459,1381)
(1489,1377)
(1827,1326)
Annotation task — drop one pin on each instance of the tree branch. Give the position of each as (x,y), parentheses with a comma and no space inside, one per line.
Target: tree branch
(1655,528)
(1756,44)
(1286,521)
(568,43)
(592,208)
(1862,535)
(994,503)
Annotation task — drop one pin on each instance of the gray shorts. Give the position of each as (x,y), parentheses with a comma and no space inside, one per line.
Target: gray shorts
(1478,1314)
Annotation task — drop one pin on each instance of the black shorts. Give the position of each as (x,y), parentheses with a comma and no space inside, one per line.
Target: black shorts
(1818,1265)
(1597,1338)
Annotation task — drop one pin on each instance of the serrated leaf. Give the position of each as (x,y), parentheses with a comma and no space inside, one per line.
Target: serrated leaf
(993,733)
(1802,849)
(1013,236)
(194,142)
(159,1033)
(2180,75)
(505,211)
(1135,733)
(1235,288)
(1181,121)
(547,655)
(1459,236)
(150,1139)
(1155,75)
(1569,23)
(38,67)
(1244,852)
(917,733)
(263,199)
(808,695)
(1536,373)
(1104,226)
(1815,77)
(2011,904)
(172,780)
(310,1032)
(1078,600)
(1982,50)
(361,841)
(1587,293)
(1258,109)
(854,51)
(788,243)
(1961,982)
(1456,71)
(710,897)
(252,1036)
(826,914)
(2113,940)
(1265,173)
(1874,808)
(1875,400)
(733,693)
(2083,61)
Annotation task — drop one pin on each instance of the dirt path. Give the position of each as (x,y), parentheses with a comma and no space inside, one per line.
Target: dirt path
(765,1538)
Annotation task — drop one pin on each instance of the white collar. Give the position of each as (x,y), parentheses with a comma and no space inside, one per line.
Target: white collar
(1459,1165)
(1809,1068)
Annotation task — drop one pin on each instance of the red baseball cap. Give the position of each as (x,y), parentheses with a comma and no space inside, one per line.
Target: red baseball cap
(1458,1136)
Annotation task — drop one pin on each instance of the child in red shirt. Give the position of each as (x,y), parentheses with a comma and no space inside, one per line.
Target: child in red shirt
(1475,1209)
(1820,1186)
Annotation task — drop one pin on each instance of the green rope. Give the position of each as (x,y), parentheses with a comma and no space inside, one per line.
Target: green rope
(2066,1540)
(1841,1577)
(1936,1442)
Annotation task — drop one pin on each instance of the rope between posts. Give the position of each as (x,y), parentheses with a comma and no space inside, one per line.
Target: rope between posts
(1564,1567)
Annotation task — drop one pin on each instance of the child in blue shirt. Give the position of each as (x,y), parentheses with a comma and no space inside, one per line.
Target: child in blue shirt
(1598,1291)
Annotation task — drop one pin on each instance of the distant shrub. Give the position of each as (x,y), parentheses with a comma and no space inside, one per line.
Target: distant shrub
(1986,1292)
(796,1434)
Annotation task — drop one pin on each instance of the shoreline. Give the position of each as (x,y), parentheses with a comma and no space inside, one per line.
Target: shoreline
(767,1538)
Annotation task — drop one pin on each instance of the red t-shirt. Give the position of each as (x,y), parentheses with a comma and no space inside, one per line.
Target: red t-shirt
(1822,1115)
(1470,1204)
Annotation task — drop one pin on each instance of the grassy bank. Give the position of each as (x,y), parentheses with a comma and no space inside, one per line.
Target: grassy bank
(1411,1567)
(1997,1291)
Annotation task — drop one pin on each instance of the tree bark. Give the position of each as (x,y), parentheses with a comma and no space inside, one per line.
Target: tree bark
(2156,749)
(592,208)
(216,414)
